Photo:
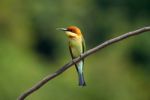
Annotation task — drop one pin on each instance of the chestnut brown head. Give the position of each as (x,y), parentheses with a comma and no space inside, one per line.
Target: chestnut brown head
(74,29)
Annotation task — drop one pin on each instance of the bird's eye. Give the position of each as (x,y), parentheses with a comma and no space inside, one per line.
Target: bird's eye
(71,30)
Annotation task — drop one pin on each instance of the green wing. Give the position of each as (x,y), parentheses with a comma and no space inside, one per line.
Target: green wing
(71,52)
(73,57)
(83,45)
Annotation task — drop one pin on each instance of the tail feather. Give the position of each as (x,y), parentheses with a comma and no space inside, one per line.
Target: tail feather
(79,67)
(81,80)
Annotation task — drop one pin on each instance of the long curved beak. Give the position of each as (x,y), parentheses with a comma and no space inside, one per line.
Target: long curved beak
(62,29)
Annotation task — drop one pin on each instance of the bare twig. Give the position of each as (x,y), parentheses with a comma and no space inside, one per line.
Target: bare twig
(87,53)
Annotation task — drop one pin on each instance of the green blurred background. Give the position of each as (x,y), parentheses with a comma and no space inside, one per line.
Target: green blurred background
(31,48)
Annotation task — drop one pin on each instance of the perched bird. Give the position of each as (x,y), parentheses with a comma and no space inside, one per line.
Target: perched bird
(76,47)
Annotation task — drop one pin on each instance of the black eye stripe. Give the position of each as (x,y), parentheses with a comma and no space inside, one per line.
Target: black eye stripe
(72,30)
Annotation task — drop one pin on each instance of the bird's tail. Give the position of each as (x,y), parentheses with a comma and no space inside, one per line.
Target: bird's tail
(81,80)
(79,67)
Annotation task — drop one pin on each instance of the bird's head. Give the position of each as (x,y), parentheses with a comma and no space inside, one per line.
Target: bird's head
(71,31)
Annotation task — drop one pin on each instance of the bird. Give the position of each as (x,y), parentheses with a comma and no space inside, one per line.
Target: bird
(76,47)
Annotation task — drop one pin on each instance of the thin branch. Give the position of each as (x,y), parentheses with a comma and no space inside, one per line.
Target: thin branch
(84,55)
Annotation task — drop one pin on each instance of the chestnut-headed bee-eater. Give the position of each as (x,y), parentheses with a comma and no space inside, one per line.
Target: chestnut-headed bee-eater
(76,47)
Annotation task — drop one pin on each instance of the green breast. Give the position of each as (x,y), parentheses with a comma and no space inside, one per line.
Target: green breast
(76,47)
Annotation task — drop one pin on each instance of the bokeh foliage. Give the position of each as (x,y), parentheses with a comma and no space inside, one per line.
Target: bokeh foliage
(31,48)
